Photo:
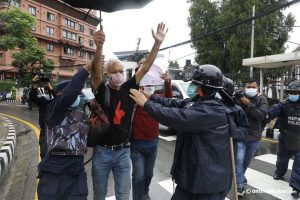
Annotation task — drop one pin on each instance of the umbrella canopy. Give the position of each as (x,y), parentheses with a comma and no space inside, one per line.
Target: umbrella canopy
(108,5)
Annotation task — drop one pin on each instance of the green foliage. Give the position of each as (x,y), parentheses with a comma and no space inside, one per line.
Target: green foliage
(29,62)
(15,29)
(174,64)
(7,85)
(227,49)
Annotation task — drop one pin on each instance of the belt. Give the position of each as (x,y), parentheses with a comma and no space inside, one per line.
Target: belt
(116,147)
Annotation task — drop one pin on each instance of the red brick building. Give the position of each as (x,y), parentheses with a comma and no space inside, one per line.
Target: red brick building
(61,31)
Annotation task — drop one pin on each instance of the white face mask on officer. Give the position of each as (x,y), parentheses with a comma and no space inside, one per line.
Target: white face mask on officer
(76,102)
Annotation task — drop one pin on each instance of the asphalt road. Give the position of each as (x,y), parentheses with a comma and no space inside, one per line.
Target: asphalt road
(259,175)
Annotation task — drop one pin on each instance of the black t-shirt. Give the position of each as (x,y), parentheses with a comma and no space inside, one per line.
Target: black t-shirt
(119,112)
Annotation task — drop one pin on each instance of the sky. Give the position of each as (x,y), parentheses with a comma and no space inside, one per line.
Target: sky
(123,28)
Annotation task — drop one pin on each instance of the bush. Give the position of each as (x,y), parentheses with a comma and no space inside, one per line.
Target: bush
(6,86)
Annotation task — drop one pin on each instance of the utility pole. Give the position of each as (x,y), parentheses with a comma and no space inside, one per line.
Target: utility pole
(138,44)
(252,40)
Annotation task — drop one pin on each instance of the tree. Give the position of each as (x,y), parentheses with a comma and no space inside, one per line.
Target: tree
(227,49)
(174,64)
(15,29)
(30,61)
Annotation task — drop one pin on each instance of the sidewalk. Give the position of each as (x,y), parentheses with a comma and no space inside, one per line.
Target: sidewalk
(20,183)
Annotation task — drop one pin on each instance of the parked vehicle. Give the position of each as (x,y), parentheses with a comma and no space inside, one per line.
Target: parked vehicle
(85,96)
(179,91)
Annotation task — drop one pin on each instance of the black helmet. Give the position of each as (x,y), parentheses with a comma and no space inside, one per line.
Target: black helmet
(228,85)
(294,86)
(209,76)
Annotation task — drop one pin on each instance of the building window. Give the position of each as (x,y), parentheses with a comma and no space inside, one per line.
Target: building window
(32,10)
(33,28)
(81,54)
(50,47)
(81,28)
(91,43)
(81,40)
(69,35)
(50,16)
(15,3)
(68,51)
(50,31)
(70,23)
(91,32)
(1,55)
(91,56)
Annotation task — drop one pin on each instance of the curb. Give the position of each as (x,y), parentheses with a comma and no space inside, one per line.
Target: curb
(8,149)
(13,101)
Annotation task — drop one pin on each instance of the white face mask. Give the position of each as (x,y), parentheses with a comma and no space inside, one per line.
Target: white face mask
(76,102)
(251,92)
(149,89)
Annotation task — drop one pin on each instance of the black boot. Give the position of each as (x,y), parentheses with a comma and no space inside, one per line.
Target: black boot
(295,193)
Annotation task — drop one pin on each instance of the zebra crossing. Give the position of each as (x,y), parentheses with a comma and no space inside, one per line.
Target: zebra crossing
(260,185)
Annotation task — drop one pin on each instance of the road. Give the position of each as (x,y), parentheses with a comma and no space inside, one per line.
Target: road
(260,182)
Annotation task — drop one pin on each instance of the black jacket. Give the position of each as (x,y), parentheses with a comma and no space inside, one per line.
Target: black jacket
(256,113)
(42,103)
(202,153)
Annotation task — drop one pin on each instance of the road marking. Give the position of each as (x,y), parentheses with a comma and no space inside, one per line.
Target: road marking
(168,185)
(168,138)
(37,133)
(110,198)
(269,140)
(266,184)
(271,158)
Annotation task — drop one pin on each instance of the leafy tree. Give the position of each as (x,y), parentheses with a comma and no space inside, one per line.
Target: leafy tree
(29,62)
(15,29)
(227,49)
(174,64)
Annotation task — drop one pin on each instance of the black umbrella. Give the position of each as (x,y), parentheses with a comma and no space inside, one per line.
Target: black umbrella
(108,5)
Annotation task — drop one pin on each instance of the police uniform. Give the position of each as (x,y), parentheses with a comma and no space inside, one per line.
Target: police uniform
(289,139)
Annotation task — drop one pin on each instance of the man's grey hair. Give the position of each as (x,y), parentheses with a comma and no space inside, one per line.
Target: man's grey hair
(110,63)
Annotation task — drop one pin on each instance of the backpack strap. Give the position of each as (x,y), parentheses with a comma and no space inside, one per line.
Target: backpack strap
(107,97)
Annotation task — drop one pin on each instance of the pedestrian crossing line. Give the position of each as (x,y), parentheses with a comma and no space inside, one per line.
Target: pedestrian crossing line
(168,186)
(271,158)
(168,138)
(266,184)
(110,198)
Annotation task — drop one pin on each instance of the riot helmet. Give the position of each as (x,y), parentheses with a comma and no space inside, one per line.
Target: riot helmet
(228,85)
(293,87)
(209,76)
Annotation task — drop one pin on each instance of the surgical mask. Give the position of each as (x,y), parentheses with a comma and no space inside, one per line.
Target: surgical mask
(76,103)
(293,97)
(149,89)
(116,79)
(251,92)
(191,91)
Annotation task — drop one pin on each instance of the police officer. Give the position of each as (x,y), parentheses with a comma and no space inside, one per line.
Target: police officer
(289,139)
(61,172)
(202,152)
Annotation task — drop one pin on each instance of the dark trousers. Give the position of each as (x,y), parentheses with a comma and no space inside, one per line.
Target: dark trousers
(43,143)
(62,186)
(143,161)
(182,194)
(283,156)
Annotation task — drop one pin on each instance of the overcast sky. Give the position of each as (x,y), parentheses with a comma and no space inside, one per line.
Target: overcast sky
(123,28)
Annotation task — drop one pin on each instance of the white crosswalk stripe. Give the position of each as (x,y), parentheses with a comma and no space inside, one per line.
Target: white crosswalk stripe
(271,158)
(262,183)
